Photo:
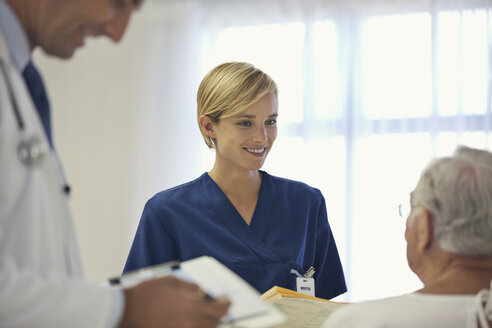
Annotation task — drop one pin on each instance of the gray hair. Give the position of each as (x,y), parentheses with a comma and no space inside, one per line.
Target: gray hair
(457,191)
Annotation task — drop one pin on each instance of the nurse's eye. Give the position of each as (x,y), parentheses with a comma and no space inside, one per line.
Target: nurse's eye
(244,123)
(271,122)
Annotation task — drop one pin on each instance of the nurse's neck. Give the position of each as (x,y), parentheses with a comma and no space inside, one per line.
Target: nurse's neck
(243,183)
(242,190)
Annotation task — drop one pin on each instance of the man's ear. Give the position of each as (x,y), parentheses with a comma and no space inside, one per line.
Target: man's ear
(425,229)
(207,126)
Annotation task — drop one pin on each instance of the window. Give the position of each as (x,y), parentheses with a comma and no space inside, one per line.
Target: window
(365,103)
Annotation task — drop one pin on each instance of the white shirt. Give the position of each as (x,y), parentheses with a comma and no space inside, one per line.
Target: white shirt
(15,37)
(412,310)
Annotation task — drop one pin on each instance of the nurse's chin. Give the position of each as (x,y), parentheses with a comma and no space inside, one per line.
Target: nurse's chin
(255,167)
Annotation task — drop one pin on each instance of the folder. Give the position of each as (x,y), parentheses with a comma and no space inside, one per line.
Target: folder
(300,309)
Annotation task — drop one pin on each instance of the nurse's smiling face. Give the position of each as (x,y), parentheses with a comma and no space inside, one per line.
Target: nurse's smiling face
(244,141)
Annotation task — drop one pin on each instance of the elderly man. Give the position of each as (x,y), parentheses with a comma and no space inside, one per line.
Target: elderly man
(41,281)
(449,247)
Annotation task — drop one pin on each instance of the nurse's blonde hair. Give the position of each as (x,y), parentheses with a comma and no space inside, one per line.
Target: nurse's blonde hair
(229,89)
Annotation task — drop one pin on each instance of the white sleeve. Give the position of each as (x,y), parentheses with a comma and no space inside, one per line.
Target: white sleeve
(118,308)
(29,300)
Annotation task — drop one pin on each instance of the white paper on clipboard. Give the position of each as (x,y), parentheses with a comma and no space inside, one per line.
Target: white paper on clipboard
(247,309)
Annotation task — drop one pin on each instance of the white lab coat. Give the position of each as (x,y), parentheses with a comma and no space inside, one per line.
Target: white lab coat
(40,267)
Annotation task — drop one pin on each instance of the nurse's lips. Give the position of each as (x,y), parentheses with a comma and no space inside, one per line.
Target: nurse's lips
(256,151)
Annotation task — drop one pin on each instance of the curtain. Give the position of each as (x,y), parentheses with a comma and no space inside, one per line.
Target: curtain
(369,93)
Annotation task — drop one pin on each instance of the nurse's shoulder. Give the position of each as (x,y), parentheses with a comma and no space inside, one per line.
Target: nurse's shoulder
(186,193)
(293,188)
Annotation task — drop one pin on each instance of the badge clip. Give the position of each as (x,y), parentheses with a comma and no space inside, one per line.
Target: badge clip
(305,283)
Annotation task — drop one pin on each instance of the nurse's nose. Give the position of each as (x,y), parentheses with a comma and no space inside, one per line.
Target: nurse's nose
(260,134)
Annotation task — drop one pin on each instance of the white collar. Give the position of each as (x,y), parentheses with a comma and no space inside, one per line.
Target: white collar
(15,36)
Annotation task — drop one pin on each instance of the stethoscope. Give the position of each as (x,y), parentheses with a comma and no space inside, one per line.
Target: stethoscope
(31,151)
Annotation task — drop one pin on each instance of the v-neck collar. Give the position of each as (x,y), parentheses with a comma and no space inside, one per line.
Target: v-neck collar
(227,213)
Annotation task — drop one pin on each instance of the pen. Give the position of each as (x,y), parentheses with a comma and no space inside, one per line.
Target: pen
(139,275)
(206,295)
(136,276)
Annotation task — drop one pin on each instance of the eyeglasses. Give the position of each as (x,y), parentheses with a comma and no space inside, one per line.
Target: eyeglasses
(404,210)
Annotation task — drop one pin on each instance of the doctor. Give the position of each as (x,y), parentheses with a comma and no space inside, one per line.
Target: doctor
(41,282)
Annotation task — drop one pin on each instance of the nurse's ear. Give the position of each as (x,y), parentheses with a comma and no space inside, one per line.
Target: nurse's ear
(207,126)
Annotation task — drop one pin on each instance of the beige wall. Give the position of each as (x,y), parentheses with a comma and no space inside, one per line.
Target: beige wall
(125,128)
(95,117)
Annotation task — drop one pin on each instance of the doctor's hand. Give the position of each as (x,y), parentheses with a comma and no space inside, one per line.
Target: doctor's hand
(169,302)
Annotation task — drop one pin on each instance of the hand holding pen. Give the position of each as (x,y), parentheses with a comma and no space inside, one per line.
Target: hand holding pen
(171,302)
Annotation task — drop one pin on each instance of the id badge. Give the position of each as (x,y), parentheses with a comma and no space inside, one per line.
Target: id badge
(305,285)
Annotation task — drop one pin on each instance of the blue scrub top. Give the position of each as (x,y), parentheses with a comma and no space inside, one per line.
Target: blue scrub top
(289,230)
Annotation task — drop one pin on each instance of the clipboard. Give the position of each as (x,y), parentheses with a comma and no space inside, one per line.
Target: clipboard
(247,309)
